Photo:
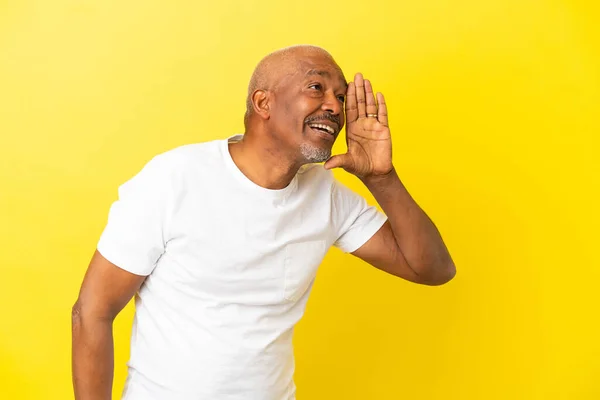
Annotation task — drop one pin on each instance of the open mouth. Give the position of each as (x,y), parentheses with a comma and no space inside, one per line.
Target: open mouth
(322,128)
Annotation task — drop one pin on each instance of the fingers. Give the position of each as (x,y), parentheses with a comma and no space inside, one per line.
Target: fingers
(370,99)
(338,161)
(360,95)
(382,114)
(361,102)
(351,105)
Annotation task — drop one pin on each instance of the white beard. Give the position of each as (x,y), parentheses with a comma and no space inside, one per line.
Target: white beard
(314,154)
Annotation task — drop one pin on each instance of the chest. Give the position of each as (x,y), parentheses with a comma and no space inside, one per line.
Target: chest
(247,251)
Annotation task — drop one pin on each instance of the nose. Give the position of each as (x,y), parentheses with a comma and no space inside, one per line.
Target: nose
(332,104)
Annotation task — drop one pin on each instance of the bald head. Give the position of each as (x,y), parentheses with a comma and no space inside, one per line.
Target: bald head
(274,67)
(295,103)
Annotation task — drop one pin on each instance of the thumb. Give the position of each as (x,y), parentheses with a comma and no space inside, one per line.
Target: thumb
(338,161)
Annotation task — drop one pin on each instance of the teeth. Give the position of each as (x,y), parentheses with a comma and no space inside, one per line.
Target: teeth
(327,128)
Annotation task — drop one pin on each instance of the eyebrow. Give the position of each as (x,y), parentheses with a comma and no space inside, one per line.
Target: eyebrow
(325,74)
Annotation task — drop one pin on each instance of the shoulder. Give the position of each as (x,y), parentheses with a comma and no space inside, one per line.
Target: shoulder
(184,158)
(187,153)
(173,168)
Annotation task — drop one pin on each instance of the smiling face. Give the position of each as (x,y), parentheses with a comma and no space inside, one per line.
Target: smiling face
(307,107)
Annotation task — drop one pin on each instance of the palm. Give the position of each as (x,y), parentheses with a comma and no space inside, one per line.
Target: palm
(367,133)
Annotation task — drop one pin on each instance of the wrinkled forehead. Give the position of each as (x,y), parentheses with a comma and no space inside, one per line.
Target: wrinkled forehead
(297,70)
(324,67)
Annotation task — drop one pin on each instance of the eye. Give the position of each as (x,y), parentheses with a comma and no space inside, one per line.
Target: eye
(341,98)
(317,86)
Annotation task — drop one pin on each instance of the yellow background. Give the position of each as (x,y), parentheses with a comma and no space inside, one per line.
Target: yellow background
(495,115)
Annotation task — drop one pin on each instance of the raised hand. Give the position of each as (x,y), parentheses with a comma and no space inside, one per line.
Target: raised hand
(368,135)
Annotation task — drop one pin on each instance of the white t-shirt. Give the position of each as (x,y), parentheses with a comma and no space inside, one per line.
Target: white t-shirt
(229,268)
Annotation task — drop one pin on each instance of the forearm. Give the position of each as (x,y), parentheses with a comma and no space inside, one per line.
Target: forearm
(92,357)
(418,239)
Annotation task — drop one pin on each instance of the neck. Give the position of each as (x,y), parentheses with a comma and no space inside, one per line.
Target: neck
(263,162)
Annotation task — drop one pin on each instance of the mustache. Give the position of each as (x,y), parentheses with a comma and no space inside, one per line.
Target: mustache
(324,117)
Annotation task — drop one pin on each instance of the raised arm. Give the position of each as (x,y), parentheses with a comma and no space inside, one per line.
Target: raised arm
(408,245)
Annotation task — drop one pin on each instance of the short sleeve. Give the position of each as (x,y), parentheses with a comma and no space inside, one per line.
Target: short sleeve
(354,220)
(136,231)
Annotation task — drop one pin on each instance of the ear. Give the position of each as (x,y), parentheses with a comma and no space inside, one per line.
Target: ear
(261,103)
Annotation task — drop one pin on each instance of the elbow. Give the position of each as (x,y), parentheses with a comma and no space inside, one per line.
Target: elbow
(83,314)
(76,315)
(441,274)
(448,274)
(76,320)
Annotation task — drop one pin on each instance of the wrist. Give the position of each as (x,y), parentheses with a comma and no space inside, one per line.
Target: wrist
(380,179)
